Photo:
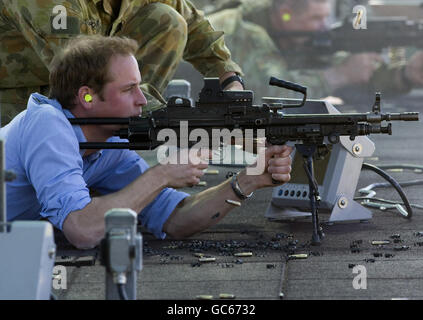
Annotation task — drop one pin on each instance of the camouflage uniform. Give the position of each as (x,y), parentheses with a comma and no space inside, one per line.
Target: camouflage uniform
(166,30)
(247,36)
(259,57)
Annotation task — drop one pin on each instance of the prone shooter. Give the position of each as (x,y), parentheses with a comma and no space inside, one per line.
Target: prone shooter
(218,109)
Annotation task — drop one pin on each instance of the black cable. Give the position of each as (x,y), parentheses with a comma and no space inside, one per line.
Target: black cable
(388,201)
(122,291)
(394,183)
(401,166)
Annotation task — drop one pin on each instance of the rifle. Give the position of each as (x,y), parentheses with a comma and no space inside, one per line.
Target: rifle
(383,32)
(217,109)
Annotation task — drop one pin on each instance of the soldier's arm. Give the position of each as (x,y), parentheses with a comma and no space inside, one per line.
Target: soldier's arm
(205,49)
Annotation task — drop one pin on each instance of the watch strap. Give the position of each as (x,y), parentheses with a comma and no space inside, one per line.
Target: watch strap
(237,189)
(232,79)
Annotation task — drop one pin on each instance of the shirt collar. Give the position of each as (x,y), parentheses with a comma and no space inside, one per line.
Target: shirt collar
(81,138)
(39,99)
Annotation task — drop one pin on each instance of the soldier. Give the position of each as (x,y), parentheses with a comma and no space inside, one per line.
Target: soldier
(251,35)
(32,32)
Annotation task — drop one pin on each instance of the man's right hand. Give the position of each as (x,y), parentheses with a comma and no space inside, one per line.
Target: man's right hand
(356,69)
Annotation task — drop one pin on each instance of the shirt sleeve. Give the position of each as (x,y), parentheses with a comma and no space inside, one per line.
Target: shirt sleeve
(53,165)
(124,167)
(205,49)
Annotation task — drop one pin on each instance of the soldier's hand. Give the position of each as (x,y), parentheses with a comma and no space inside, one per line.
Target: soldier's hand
(414,69)
(359,68)
(356,69)
(234,86)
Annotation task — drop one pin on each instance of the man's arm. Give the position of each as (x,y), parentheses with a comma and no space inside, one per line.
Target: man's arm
(85,228)
(205,48)
(205,209)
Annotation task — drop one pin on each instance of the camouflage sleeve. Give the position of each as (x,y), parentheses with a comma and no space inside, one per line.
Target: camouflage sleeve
(34,22)
(205,49)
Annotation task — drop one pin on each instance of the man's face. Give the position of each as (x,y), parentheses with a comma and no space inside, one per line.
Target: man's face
(313,18)
(122,96)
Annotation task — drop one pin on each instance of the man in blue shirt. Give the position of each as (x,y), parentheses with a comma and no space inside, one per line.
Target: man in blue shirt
(99,77)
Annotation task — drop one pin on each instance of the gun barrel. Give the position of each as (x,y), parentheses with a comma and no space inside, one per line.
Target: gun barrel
(406,116)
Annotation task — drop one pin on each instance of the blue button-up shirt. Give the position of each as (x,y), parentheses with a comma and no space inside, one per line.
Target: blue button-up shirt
(53,176)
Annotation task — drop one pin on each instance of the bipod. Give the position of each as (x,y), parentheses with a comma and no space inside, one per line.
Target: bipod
(308,151)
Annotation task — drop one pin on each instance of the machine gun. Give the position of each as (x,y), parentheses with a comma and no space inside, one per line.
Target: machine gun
(381,32)
(217,109)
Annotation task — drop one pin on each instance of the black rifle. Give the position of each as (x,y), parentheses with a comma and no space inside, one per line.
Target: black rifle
(384,32)
(217,109)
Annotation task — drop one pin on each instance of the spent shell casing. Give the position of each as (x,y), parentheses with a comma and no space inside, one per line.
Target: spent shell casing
(226,296)
(198,255)
(210,171)
(207,259)
(298,256)
(243,254)
(233,202)
(380,242)
(204,297)
(202,184)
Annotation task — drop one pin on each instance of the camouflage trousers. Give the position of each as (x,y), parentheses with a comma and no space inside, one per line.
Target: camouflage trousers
(28,43)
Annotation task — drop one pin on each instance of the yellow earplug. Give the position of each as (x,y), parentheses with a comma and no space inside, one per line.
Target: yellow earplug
(88,98)
(286,17)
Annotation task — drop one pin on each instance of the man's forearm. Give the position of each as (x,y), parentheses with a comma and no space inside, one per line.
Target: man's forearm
(205,209)
(85,228)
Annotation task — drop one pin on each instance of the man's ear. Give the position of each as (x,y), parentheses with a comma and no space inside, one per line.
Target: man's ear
(281,15)
(285,13)
(85,97)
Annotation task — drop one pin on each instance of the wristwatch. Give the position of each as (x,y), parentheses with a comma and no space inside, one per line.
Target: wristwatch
(232,79)
(236,188)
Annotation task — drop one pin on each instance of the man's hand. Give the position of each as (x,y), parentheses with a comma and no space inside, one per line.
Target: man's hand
(185,168)
(356,69)
(414,69)
(234,85)
(277,166)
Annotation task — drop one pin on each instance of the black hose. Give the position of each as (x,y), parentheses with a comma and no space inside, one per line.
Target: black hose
(394,183)
(122,292)
(388,201)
